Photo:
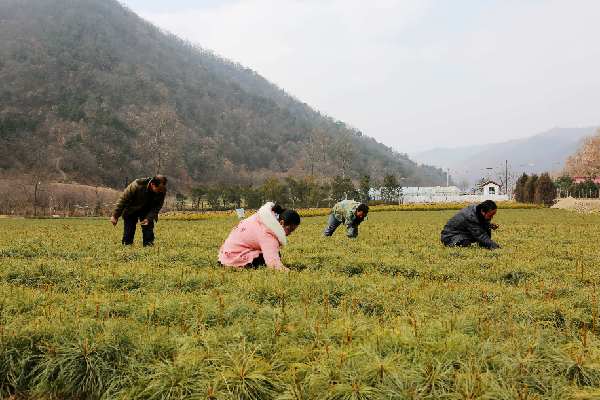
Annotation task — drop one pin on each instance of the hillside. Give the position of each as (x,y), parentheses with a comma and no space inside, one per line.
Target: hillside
(546,151)
(93,94)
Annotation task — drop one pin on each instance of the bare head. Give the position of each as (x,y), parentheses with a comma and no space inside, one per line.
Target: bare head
(288,219)
(488,209)
(158,184)
(362,211)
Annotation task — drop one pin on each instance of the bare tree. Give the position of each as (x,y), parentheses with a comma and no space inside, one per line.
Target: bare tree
(586,162)
(163,123)
(344,154)
(39,175)
(318,144)
(159,128)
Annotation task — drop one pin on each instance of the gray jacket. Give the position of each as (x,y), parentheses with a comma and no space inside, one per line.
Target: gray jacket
(467,227)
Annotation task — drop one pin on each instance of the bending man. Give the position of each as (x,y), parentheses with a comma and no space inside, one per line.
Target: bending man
(256,240)
(472,225)
(348,212)
(141,201)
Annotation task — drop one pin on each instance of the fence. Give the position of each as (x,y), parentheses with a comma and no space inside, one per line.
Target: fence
(70,200)
(467,198)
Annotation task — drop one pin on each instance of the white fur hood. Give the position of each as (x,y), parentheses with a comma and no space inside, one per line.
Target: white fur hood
(267,217)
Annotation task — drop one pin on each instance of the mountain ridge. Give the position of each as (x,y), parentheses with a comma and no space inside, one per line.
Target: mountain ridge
(543,152)
(95,94)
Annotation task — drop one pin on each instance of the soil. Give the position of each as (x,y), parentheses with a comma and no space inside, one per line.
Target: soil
(578,205)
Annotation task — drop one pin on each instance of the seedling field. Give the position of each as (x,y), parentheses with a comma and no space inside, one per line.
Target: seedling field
(391,315)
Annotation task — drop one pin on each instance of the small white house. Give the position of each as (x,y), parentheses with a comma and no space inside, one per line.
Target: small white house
(490,189)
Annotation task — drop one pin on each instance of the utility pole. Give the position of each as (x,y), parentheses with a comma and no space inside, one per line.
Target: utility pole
(35,196)
(506,178)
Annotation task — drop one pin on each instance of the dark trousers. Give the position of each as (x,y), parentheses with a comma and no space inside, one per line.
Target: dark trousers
(257,262)
(463,243)
(129,226)
(332,225)
(460,243)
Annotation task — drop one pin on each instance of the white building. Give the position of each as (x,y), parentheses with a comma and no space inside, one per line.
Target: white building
(418,194)
(490,188)
(443,194)
(431,191)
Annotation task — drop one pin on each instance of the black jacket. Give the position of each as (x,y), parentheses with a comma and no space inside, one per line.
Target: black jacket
(470,226)
(139,198)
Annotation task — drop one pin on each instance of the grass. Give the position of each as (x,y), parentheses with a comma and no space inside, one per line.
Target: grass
(391,315)
(319,212)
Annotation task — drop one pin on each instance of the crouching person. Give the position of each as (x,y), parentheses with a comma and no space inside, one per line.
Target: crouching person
(141,201)
(348,212)
(256,240)
(472,225)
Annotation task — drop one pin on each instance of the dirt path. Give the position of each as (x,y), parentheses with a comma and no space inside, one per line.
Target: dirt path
(578,205)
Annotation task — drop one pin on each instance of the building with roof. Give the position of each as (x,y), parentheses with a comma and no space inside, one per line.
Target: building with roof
(490,188)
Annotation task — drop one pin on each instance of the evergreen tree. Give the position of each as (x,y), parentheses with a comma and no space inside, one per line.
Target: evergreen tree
(390,189)
(213,197)
(563,185)
(545,190)
(253,197)
(318,195)
(273,190)
(180,201)
(364,187)
(586,189)
(298,190)
(529,190)
(342,188)
(520,188)
(232,194)
(197,193)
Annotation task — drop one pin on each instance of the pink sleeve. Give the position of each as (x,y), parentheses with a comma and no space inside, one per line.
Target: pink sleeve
(269,246)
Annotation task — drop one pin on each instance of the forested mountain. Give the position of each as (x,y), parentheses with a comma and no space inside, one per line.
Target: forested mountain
(91,93)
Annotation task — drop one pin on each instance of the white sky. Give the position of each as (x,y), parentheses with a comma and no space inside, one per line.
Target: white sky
(414,74)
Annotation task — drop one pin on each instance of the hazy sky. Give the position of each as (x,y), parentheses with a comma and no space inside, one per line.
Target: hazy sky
(414,74)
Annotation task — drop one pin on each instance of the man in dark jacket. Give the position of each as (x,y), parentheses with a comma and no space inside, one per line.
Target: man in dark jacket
(141,201)
(472,225)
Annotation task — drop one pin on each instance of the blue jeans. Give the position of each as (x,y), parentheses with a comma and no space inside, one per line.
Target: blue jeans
(333,223)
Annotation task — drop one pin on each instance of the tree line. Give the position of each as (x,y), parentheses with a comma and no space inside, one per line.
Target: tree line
(566,187)
(535,189)
(303,192)
(543,189)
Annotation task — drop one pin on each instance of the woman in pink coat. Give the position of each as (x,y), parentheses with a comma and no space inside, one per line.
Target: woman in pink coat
(257,239)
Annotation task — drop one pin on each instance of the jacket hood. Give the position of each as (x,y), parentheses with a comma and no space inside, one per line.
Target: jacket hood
(267,217)
(143,181)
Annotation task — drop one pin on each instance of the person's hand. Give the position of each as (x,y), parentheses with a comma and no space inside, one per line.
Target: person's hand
(283,269)
(114,220)
(494,226)
(145,222)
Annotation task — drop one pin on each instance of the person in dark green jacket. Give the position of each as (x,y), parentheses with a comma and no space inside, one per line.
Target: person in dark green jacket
(348,212)
(141,201)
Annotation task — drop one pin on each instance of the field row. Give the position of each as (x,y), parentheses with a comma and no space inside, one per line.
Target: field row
(392,314)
